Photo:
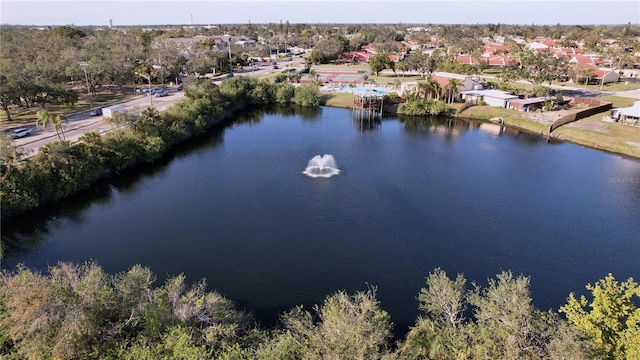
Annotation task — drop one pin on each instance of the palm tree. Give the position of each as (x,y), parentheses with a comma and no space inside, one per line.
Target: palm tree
(58,122)
(315,78)
(422,89)
(433,88)
(45,118)
(452,87)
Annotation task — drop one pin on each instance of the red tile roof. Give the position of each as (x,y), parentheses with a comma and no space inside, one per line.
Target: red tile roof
(583,60)
(494,48)
(467,59)
(501,60)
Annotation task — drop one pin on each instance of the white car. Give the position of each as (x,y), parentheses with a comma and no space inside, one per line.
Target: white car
(20,133)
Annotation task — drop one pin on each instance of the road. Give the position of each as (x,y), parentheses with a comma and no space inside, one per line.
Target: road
(82,122)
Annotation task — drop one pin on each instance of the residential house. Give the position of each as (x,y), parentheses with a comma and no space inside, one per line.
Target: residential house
(528,104)
(467,82)
(500,60)
(629,115)
(490,97)
(443,79)
(536,46)
(600,75)
(467,59)
(491,49)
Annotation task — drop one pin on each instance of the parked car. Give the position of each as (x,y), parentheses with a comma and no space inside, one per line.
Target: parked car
(20,133)
(96,112)
(179,87)
(161,93)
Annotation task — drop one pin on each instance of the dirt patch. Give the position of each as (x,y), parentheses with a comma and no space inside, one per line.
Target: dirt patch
(546,117)
(588,124)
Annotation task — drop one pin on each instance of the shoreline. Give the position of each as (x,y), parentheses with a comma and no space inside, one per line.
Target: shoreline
(568,133)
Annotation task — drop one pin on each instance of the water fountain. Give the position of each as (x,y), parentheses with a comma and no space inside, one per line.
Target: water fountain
(322,166)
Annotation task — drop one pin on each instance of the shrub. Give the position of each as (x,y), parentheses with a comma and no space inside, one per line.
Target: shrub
(423,107)
(307,95)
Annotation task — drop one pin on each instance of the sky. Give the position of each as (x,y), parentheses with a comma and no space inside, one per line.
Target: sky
(163,12)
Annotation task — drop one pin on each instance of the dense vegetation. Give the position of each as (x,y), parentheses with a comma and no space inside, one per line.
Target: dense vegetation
(61,168)
(52,62)
(80,312)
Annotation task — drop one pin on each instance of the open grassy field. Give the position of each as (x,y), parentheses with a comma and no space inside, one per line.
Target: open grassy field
(594,132)
(27,116)
(591,131)
(618,101)
(510,117)
(340,100)
(619,86)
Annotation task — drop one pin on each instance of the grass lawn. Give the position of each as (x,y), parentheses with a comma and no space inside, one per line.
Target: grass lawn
(618,101)
(619,86)
(510,117)
(341,100)
(390,79)
(27,116)
(594,132)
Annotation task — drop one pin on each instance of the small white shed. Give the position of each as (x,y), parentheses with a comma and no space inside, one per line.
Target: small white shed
(491,97)
(109,112)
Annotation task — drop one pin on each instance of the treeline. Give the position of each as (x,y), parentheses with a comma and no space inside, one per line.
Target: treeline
(60,168)
(80,312)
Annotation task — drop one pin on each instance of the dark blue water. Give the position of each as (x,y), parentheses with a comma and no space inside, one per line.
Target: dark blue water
(412,195)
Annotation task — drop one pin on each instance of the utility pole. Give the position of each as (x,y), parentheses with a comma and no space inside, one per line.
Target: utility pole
(230,63)
(84,65)
(149,92)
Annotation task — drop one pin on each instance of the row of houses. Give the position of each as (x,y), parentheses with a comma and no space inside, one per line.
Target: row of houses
(470,89)
(497,55)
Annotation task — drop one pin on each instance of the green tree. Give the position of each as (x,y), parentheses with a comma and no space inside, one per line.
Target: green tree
(284,93)
(441,332)
(379,62)
(611,320)
(58,125)
(433,89)
(9,92)
(326,50)
(505,327)
(452,89)
(541,67)
(44,119)
(501,324)
(57,317)
(307,95)
(444,298)
(348,327)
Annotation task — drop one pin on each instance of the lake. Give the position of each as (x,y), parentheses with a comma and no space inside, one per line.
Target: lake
(235,208)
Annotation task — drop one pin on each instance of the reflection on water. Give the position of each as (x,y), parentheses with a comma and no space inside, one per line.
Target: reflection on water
(414,194)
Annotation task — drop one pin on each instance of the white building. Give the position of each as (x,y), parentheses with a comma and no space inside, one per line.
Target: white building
(491,97)
(629,115)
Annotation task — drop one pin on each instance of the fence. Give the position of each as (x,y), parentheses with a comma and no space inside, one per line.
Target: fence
(595,107)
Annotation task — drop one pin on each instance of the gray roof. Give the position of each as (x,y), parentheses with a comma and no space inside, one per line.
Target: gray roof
(490,93)
(529,101)
(368,94)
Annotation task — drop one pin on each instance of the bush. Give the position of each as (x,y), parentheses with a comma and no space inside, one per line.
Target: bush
(307,95)
(285,93)
(423,107)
